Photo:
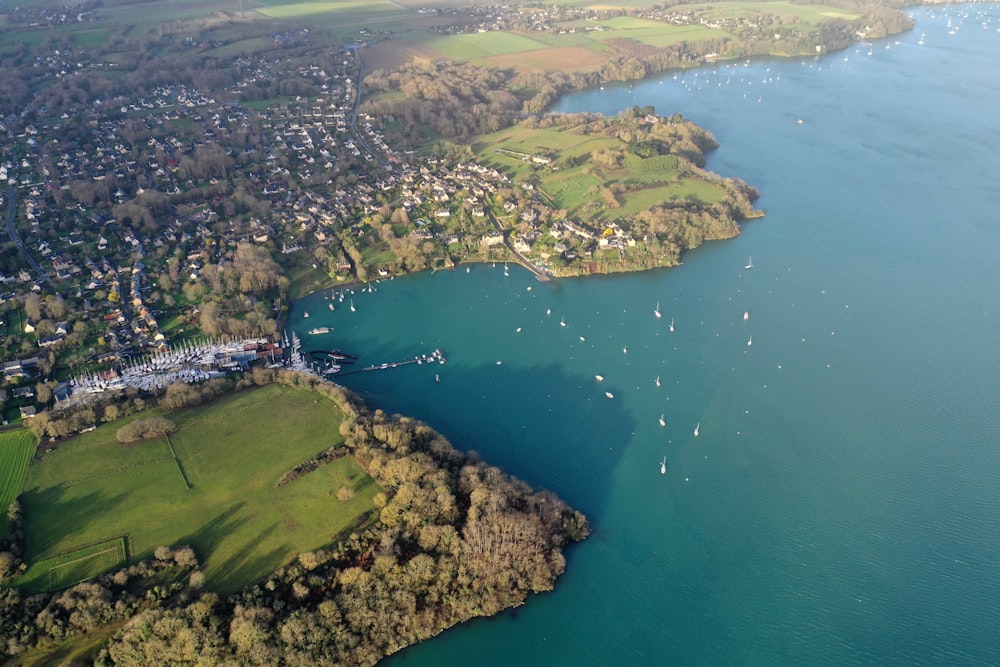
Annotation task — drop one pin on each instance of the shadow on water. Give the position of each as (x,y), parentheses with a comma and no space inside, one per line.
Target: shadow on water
(542,425)
(533,414)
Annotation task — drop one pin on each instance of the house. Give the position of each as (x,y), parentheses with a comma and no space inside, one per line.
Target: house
(49,341)
(22,393)
(28,411)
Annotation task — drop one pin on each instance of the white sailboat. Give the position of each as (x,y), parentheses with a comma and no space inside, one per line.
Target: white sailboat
(746,315)
(599,378)
(657,380)
(697,428)
(353,309)
(609,394)
(562,321)
(749,263)
(657,312)
(663,466)
(330,306)
(750,341)
(671,325)
(663,422)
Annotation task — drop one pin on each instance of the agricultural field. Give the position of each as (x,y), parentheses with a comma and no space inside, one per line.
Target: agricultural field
(787,11)
(587,48)
(506,149)
(654,33)
(575,183)
(344,17)
(689,189)
(474,46)
(92,490)
(16,450)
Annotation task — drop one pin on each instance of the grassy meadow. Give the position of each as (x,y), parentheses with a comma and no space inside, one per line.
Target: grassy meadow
(16,449)
(92,489)
(586,48)
(812,15)
(577,188)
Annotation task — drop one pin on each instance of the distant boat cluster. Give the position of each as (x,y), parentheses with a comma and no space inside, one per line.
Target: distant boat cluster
(333,365)
(186,362)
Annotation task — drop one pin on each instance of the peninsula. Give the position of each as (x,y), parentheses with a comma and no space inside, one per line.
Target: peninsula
(363,533)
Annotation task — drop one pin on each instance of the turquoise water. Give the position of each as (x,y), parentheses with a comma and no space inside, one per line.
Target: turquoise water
(840,505)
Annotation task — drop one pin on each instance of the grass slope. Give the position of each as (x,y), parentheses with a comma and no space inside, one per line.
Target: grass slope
(16,448)
(93,488)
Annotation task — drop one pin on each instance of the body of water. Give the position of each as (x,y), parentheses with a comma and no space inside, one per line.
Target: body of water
(840,503)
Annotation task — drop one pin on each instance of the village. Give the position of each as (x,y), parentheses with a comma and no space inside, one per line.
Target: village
(130,207)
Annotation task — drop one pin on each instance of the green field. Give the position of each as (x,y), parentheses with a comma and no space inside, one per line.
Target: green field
(92,488)
(690,189)
(655,33)
(585,48)
(16,449)
(813,14)
(576,188)
(501,148)
(481,45)
(76,566)
(342,17)
(149,13)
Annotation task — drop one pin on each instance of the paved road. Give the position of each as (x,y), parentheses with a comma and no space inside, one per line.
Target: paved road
(522,260)
(353,119)
(11,199)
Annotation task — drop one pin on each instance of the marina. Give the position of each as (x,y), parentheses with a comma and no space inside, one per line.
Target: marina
(186,362)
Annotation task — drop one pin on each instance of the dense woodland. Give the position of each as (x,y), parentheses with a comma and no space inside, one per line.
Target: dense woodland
(454,538)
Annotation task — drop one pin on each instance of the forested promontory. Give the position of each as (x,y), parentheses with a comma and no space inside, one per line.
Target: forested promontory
(448,538)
